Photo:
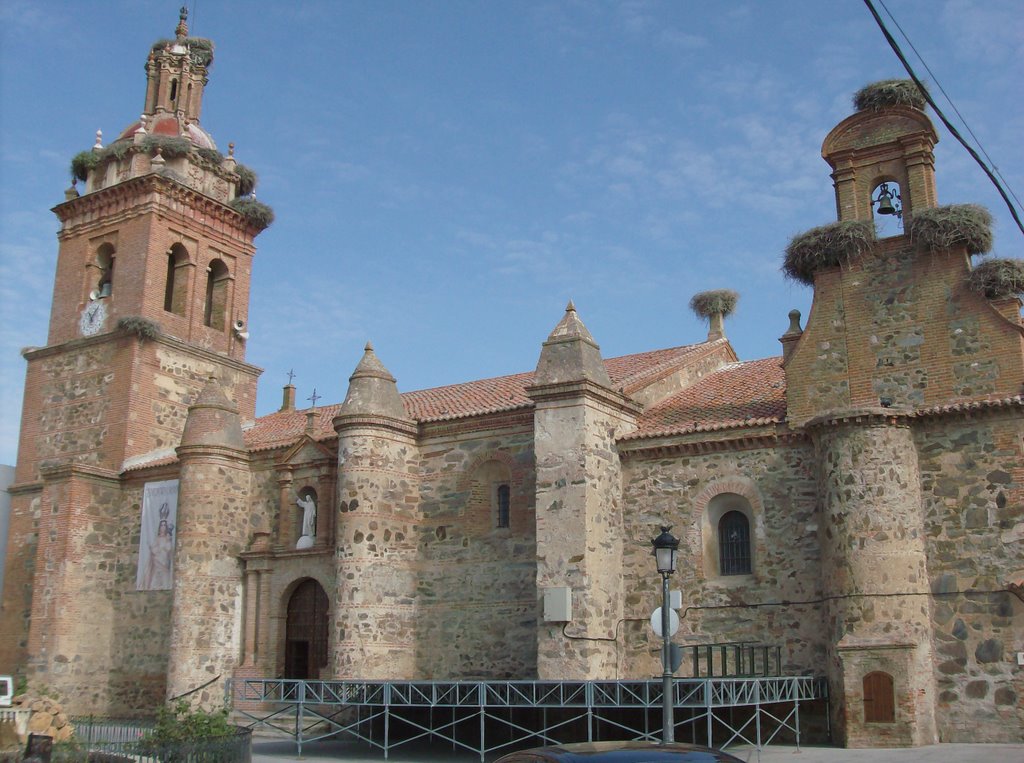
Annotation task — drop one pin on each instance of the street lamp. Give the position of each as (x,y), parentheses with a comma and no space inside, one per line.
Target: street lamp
(666,546)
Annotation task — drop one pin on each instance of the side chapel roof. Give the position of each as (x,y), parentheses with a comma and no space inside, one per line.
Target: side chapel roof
(475,398)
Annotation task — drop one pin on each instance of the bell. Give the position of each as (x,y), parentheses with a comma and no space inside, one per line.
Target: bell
(884,200)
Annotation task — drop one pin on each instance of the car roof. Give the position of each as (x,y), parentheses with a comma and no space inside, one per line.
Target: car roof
(621,752)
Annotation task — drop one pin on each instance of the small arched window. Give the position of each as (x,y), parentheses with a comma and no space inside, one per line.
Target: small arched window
(879,698)
(734,544)
(503,501)
(217,278)
(175,292)
(174,90)
(105,263)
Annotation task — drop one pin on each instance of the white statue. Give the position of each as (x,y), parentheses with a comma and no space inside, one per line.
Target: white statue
(308,506)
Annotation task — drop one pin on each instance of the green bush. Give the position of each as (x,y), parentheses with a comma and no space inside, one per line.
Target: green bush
(256,213)
(967,225)
(998,278)
(827,246)
(183,733)
(887,93)
(714,302)
(143,328)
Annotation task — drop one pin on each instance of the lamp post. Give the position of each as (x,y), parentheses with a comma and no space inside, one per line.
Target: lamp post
(666,546)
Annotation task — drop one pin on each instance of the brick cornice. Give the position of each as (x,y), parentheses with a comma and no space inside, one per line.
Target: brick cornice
(151,193)
(65,470)
(727,440)
(38,353)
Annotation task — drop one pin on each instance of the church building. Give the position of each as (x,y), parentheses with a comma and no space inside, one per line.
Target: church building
(856,502)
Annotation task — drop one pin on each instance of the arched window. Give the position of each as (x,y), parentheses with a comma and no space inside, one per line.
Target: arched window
(215,313)
(174,90)
(491,500)
(175,292)
(503,499)
(879,698)
(105,262)
(887,209)
(734,544)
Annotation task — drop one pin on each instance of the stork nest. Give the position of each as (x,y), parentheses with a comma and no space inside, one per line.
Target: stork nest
(256,213)
(143,328)
(827,246)
(715,302)
(998,278)
(967,225)
(887,93)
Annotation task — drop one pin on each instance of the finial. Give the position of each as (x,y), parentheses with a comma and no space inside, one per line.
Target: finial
(368,347)
(99,141)
(794,323)
(570,308)
(231,150)
(182,29)
(159,158)
(142,125)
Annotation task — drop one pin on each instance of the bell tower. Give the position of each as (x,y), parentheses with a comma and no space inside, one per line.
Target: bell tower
(150,301)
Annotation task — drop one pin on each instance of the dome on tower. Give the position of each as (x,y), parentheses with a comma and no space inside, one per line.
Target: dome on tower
(168,125)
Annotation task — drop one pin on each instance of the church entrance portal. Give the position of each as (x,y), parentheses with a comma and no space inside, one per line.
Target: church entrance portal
(305,652)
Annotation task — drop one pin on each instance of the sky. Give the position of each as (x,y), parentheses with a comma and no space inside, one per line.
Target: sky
(447,175)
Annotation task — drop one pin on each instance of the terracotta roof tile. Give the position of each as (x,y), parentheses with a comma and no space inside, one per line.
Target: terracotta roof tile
(475,398)
(735,395)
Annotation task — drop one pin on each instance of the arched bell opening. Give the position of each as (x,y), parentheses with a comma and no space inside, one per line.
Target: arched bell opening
(887,208)
(306,632)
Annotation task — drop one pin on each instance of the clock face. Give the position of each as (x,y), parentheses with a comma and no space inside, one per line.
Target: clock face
(93,317)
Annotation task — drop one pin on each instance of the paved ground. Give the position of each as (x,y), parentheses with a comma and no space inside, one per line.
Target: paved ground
(272,751)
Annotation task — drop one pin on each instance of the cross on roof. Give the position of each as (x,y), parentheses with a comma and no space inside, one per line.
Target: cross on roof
(291,375)
(314,397)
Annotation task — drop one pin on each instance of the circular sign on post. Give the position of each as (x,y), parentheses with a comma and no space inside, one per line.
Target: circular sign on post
(673,622)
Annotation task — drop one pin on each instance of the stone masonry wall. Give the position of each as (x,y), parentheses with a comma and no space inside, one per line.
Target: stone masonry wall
(580,533)
(675,489)
(213,530)
(899,327)
(972,477)
(476,594)
(374,602)
(875,572)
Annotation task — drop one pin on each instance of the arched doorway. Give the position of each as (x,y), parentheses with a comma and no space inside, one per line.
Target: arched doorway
(305,653)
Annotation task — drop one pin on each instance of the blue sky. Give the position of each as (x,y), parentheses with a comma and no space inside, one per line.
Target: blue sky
(446,175)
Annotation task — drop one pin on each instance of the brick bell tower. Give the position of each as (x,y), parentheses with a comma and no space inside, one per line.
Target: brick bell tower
(150,301)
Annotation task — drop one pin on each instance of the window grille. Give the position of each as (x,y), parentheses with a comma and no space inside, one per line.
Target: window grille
(734,544)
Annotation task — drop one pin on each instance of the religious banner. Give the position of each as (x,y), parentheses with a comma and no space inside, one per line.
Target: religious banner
(156,541)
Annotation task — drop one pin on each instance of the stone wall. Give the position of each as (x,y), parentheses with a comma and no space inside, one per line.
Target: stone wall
(374,600)
(476,600)
(875,575)
(899,327)
(675,489)
(972,478)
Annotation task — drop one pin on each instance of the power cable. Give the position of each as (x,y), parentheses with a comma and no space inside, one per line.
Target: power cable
(786,603)
(949,126)
(946,95)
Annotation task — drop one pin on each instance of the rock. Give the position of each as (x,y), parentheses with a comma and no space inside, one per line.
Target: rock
(989,650)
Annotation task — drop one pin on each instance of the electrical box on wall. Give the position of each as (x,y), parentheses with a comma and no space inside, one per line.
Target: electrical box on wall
(558,604)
